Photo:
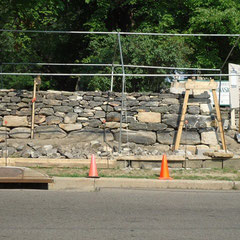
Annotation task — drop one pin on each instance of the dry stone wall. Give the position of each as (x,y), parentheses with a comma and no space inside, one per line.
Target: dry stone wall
(151,119)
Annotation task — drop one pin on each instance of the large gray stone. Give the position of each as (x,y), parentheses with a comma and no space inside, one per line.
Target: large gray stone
(75,98)
(170,101)
(20,132)
(132,103)
(70,118)
(176,108)
(73,103)
(190,137)
(78,110)
(201,94)
(2,106)
(40,119)
(49,132)
(99,114)
(171,120)
(149,104)
(70,127)
(114,103)
(160,109)
(198,100)
(95,104)
(90,134)
(65,109)
(15,99)
(52,102)
(147,126)
(169,137)
(24,112)
(107,108)
(143,98)
(52,120)
(113,117)
(139,137)
(12,106)
(138,126)
(193,109)
(156,126)
(197,121)
(87,113)
(46,111)
(115,125)
(209,138)
(94,123)
(166,137)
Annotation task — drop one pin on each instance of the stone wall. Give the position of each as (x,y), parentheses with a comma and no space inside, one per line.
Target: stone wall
(152,118)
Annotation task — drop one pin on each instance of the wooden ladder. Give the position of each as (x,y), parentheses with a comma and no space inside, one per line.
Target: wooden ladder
(194,85)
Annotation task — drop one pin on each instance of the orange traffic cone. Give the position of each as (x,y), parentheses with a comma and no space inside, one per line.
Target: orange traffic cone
(93,168)
(164,174)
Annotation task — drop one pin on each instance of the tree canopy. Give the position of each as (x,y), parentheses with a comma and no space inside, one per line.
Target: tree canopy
(176,16)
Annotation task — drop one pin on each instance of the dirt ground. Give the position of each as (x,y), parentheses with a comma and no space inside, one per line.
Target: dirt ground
(194,174)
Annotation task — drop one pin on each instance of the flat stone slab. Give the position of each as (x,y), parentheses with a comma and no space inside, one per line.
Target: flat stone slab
(22,175)
(15,121)
(150,117)
(218,154)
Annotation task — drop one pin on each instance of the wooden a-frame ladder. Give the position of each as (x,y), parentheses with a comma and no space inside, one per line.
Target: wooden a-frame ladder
(194,85)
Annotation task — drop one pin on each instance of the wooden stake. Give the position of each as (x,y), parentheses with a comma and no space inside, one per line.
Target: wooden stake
(37,81)
(219,118)
(239,120)
(184,109)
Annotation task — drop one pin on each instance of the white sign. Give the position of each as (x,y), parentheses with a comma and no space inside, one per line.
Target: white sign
(224,94)
(234,85)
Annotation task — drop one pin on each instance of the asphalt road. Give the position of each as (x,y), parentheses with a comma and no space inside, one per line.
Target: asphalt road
(119,214)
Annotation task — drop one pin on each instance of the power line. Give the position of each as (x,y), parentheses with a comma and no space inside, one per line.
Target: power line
(118,74)
(110,65)
(125,33)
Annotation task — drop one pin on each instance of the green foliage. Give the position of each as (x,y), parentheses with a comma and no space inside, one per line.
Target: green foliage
(186,16)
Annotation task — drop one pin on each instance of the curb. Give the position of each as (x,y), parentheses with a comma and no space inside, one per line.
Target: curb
(94,184)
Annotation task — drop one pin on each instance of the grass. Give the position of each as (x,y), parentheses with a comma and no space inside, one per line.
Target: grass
(189,174)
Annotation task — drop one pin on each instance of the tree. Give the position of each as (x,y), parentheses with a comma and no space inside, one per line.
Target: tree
(186,16)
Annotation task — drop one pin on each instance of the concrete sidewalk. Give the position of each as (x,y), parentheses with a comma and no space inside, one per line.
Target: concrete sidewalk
(95,184)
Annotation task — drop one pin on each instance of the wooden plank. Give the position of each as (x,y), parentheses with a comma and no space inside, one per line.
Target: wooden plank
(206,85)
(48,162)
(184,109)
(174,158)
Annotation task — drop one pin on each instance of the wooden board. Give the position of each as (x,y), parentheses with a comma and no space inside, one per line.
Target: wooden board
(49,162)
(196,85)
(174,158)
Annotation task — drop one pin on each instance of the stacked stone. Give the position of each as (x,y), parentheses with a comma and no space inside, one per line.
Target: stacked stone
(151,118)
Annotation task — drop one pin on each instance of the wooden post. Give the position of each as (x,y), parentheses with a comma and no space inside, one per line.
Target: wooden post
(233,119)
(184,109)
(37,81)
(219,118)
(239,120)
